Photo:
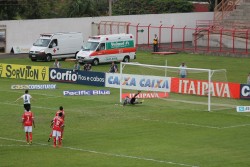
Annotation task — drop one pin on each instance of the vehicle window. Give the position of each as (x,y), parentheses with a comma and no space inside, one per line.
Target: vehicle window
(42,42)
(2,36)
(54,43)
(102,46)
(90,46)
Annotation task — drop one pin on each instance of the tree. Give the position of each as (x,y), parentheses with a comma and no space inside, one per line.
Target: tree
(80,8)
(35,9)
(8,10)
(128,7)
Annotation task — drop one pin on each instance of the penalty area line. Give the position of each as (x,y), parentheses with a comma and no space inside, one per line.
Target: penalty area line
(107,154)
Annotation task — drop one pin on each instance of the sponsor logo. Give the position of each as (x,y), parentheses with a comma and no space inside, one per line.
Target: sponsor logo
(87,78)
(244,91)
(146,95)
(78,77)
(120,44)
(24,72)
(44,86)
(85,92)
(63,76)
(1,70)
(138,82)
(201,88)
(243,108)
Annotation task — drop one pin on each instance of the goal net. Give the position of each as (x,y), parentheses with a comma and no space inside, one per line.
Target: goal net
(201,89)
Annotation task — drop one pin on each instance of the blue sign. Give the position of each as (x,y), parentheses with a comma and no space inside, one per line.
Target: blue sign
(244,91)
(78,77)
(85,92)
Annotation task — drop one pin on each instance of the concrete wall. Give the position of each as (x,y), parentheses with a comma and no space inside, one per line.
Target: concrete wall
(23,33)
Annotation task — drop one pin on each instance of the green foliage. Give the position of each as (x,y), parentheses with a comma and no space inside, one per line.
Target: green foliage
(79,8)
(129,7)
(41,9)
(8,11)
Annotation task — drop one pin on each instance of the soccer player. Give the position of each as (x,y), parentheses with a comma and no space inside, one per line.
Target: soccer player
(61,110)
(58,125)
(27,122)
(132,100)
(26,99)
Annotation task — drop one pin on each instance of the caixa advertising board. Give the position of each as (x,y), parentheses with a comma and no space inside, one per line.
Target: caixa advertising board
(77,77)
(245,91)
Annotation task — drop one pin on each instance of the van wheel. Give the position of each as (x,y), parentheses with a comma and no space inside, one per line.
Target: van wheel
(48,58)
(95,62)
(126,59)
(33,59)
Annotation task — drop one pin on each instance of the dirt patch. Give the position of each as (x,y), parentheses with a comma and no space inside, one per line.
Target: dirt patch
(11,55)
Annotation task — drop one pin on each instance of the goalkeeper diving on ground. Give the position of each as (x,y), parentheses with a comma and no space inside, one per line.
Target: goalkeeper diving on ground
(132,100)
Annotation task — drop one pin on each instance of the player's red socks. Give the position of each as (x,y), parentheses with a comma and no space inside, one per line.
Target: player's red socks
(27,137)
(31,136)
(60,141)
(54,142)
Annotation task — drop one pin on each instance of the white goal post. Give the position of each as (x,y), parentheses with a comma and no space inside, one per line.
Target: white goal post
(166,73)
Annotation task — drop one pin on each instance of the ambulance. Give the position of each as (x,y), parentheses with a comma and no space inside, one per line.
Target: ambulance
(59,45)
(108,48)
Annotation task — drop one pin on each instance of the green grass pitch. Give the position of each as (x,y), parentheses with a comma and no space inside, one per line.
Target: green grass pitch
(101,133)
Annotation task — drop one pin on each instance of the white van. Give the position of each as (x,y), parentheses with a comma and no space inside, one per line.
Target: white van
(56,45)
(108,48)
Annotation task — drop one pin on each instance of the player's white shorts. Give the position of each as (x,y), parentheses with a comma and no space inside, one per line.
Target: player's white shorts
(27,128)
(56,133)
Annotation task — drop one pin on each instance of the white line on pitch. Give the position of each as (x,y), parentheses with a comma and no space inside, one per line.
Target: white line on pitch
(177,123)
(110,154)
(186,124)
(235,126)
(203,126)
(13,145)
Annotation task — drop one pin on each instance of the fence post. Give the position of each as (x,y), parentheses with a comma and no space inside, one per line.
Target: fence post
(208,39)
(148,34)
(110,27)
(221,30)
(128,28)
(195,41)
(183,38)
(137,34)
(171,41)
(233,40)
(105,28)
(247,41)
(118,28)
(160,36)
(99,27)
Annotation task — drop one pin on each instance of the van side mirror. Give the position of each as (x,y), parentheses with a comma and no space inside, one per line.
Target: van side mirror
(98,49)
(50,46)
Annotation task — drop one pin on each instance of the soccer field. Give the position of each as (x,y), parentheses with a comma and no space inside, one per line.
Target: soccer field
(101,133)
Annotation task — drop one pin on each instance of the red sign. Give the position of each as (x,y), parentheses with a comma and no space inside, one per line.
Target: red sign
(200,87)
(147,95)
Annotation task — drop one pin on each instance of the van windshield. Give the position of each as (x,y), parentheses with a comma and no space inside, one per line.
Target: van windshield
(90,46)
(42,42)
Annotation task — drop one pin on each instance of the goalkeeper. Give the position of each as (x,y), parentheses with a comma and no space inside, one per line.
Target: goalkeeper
(132,100)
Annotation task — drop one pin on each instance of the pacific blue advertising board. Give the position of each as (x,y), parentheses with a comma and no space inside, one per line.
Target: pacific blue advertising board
(77,77)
